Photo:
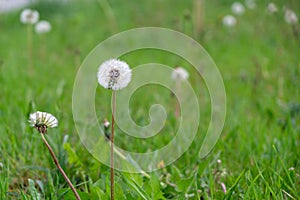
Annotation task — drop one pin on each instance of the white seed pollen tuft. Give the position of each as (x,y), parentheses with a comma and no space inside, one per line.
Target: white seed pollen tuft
(114,74)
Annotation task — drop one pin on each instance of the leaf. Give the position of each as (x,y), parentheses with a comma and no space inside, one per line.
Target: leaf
(133,185)
(72,156)
(230,191)
(156,192)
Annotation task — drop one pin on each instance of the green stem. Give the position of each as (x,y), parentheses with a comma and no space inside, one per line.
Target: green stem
(59,167)
(30,56)
(112,178)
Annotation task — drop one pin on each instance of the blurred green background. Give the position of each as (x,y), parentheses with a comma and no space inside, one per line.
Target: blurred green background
(257,156)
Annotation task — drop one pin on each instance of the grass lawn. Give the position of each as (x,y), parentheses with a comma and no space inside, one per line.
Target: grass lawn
(257,155)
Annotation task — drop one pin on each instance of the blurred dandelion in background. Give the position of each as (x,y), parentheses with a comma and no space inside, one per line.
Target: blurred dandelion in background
(237,8)
(229,21)
(290,16)
(42,26)
(250,4)
(272,8)
(29,16)
(180,74)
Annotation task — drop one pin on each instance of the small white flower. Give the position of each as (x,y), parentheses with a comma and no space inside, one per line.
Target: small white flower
(42,120)
(114,74)
(290,17)
(106,123)
(272,8)
(180,74)
(250,4)
(29,16)
(237,8)
(42,27)
(229,20)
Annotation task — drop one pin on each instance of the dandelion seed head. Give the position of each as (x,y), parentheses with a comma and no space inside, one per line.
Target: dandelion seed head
(237,8)
(42,120)
(229,21)
(180,73)
(42,27)
(114,74)
(29,16)
(290,17)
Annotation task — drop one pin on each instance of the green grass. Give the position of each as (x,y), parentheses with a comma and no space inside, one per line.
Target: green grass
(259,147)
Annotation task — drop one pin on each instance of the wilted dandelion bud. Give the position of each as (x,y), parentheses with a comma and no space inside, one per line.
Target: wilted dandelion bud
(114,74)
(290,17)
(180,73)
(42,120)
(229,20)
(237,8)
(250,4)
(272,8)
(29,16)
(42,27)
(161,164)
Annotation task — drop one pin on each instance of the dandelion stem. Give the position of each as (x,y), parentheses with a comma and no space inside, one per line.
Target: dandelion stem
(112,178)
(177,106)
(30,56)
(59,167)
(109,13)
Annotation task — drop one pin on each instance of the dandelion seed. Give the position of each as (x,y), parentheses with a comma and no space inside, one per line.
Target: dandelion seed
(237,8)
(229,21)
(180,74)
(42,120)
(290,17)
(114,74)
(42,27)
(29,16)
(272,8)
